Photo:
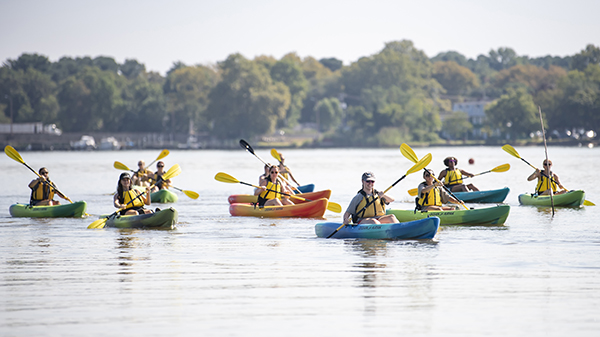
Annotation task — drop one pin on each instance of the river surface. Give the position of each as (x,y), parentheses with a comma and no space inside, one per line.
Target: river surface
(218,275)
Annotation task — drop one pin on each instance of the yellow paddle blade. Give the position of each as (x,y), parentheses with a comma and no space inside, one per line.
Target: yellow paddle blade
(408,153)
(121,166)
(413,192)
(421,164)
(174,171)
(511,150)
(226,178)
(588,203)
(163,154)
(13,154)
(191,194)
(334,207)
(98,224)
(501,168)
(275,154)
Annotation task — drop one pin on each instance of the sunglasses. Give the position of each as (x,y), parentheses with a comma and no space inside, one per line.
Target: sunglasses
(427,175)
(45,172)
(160,166)
(274,172)
(546,164)
(370,181)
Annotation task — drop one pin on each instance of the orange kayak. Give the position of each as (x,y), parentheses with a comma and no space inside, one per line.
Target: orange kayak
(250,199)
(313,209)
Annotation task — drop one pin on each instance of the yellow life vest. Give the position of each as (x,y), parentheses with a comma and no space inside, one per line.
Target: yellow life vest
(131,195)
(453,177)
(431,198)
(544,183)
(42,191)
(376,208)
(270,192)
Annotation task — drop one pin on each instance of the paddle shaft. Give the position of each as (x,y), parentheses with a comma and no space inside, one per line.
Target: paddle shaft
(249,148)
(447,190)
(50,184)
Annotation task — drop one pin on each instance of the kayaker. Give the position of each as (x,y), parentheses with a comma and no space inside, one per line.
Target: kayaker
(284,171)
(143,176)
(160,183)
(125,194)
(268,192)
(452,177)
(374,212)
(431,195)
(42,190)
(544,183)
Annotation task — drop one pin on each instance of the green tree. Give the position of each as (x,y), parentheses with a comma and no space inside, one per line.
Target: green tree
(514,114)
(27,61)
(332,63)
(247,102)
(144,107)
(132,69)
(457,125)
(187,90)
(590,55)
(328,113)
(454,78)
(289,71)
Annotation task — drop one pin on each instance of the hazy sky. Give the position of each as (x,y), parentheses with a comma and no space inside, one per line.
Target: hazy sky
(158,33)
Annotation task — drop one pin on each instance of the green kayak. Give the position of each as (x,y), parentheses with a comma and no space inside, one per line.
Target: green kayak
(482,216)
(74,210)
(163,196)
(164,219)
(572,198)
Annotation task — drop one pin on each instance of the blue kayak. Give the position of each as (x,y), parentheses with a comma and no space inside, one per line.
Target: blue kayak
(418,229)
(306,188)
(489,196)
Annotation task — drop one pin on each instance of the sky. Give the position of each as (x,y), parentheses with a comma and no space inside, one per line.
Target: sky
(159,33)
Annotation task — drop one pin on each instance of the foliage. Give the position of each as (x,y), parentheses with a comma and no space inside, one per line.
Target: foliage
(328,113)
(454,78)
(514,114)
(457,125)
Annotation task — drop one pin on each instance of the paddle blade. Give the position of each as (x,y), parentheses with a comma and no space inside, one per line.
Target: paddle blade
(421,164)
(511,150)
(413,192)
(98,224)
(226,178)
(163,154)
(275,154)
(244,144)
(334,207)
(588,203)
(191,194)
(408,153)
(121,166)
(501,168)
(174,171)
(13,154)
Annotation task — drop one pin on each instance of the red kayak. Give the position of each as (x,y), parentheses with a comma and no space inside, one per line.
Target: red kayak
(313,209)
(251,199)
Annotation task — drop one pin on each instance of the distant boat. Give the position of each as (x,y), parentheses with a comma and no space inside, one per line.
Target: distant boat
(109,144)
(85,143)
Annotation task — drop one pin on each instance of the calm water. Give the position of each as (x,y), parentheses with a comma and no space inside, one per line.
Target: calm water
(216,275)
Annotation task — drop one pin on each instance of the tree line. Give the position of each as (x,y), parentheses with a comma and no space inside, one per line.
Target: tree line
(396,95)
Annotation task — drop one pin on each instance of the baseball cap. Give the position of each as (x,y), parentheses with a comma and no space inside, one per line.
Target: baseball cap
(368,176)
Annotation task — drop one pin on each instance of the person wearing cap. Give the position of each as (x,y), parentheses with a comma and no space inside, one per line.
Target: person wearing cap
(157,177)
(42,190)
(453,177)
(544,184)
(129,200)
(431,195)
(368,206)
(284,171)
(142,176)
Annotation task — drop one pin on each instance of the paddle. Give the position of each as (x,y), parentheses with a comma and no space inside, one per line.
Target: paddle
(547,161)
(275,154)
(100,223)
(226,178)
(244,144)
(511,150)
(14,155)
(417,167)
(498,169)
(191,194)
(163,154)
(408,152)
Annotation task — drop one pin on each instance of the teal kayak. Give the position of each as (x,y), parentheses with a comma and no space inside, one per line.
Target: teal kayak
(489,196)
(74,210)
(418,229)
(572,198)
(306,188)
(163,196)
(482,216)
(165,219)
